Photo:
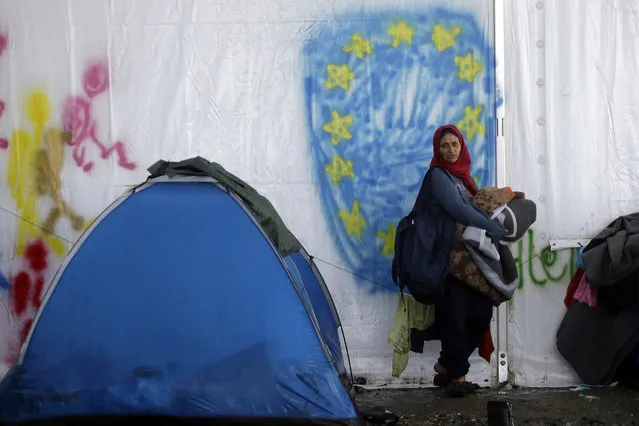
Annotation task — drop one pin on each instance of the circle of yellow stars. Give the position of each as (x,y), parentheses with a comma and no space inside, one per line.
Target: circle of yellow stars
(340,77)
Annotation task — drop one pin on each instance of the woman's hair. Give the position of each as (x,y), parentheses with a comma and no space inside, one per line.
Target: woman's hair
(447,131)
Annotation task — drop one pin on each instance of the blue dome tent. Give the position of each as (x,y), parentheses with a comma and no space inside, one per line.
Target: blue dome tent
(187,298)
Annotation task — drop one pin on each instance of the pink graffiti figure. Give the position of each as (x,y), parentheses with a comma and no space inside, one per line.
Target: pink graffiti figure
(4,142)
(78,118)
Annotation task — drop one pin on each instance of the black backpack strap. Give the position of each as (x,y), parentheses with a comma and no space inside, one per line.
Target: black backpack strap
(422,188)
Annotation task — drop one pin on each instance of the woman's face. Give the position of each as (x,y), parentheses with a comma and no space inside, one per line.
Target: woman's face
(449,148)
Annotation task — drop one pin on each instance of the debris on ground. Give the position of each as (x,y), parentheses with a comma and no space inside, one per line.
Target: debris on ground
(557,407)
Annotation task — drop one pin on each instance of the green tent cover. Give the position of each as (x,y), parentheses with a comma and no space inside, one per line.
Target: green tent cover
(264,212)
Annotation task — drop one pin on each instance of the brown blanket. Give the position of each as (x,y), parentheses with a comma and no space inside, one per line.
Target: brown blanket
(462,265)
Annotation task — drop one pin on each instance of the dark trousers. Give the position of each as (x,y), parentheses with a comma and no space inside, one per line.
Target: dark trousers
(462,316)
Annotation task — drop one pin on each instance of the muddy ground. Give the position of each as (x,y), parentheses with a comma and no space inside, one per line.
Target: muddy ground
(589,406)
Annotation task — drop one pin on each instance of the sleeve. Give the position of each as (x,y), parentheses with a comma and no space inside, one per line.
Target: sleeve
(446,193)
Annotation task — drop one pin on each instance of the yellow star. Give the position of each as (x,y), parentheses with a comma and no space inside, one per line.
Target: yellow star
(338,127)
(389,240)
(468,67)
(470,124)
(353,220)
(445,37)
(339,168)
(339,76)
(401,32)
(360,46)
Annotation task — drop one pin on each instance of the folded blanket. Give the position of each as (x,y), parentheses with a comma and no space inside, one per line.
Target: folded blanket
(502,275)
(517,217)
(462,265)
(501,272)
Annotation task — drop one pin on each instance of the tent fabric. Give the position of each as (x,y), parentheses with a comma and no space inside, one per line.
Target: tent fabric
(175,303)
(322,307)
(260,206)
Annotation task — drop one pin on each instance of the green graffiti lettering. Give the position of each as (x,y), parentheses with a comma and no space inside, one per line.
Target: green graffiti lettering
(544,267)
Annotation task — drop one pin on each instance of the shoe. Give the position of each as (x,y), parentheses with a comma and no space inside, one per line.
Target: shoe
(441,381)
(456,389)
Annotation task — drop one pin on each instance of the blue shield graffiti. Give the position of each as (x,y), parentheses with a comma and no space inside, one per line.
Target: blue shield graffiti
(376,88)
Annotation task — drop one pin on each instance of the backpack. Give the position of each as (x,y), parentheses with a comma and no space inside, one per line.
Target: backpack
(410,269)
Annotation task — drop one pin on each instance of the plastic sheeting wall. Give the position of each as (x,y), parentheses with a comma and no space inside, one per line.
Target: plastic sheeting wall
(326,107)
(571,130)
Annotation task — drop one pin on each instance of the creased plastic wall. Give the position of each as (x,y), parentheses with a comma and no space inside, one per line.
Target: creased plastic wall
(326,107)
(571,131)
(575,115)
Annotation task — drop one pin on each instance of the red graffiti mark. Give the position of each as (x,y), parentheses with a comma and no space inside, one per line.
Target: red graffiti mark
(77,117)
(20,293)
(36,295)
(25,292)
(3,43)
(4,142)
(36,255)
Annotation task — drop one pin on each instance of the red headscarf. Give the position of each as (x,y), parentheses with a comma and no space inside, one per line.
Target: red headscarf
(460,168)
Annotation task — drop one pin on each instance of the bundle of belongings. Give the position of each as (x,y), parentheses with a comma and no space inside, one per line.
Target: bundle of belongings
(599,335)
(485,265)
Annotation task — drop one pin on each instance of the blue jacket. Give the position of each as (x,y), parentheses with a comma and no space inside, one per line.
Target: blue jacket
(443,202)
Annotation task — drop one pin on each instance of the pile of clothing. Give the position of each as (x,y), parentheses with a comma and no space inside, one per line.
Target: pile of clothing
(599,335)
(485,265)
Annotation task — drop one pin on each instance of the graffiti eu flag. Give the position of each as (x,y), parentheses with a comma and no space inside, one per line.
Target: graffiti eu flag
(377,87)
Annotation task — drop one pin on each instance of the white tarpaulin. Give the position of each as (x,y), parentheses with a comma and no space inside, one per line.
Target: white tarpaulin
(327,108)
(573,128)
(571,132)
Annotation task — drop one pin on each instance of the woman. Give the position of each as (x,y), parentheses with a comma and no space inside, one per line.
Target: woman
(462,315)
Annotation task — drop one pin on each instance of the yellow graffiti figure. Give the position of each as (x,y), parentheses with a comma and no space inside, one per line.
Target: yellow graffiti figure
(89,223)
(48,167)
(388,237)
(339,169)
(470,124)
(338,127)
(33,171)
(468,67)
(339,76)
(401,32)
(444,38)
(353,220)
(360,46)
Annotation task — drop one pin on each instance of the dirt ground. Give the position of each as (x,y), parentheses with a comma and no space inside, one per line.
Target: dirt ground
(576,406)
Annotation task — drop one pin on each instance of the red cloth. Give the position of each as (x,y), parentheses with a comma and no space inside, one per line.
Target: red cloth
(460,168)
(572,287)
(486,347)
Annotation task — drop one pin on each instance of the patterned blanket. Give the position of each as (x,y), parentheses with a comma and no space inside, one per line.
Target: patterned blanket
(481,263)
